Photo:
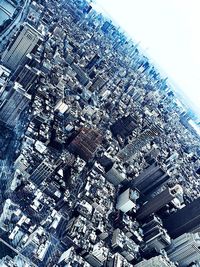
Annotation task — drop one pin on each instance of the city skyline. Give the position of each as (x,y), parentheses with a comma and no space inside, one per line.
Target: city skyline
(167,31)
(99,154)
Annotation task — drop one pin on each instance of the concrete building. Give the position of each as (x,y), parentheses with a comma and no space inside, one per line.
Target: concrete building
(27,76)
(185,249)
(149,179)
(14,104)
(158,261)
(159,201)
(86,143)
(25,41)
(127,200)
(135,146)
(184,220)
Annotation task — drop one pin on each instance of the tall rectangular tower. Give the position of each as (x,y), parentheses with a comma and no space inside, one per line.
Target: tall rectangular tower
(16,101)
(185,249)
(23,44)
(135,146)
(184,220)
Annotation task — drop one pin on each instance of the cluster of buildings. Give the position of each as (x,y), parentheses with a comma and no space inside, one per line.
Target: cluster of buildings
(103,165)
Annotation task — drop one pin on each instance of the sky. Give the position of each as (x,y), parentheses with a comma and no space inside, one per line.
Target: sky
(169,32)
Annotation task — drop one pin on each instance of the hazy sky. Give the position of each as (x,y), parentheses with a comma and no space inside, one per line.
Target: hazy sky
(170,31)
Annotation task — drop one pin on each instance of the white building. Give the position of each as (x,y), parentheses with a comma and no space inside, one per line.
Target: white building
(127,200)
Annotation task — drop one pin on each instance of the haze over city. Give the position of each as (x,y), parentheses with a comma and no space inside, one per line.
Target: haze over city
(169,32)
(99,148)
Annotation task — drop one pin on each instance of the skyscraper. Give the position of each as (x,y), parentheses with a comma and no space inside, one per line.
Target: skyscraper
(4,75)
(160,261)
(43,171)
(155,236)
(157,202)
(149,179)
(146,136)
(185,249)
(127,200)
(24,43)
(27,76)
(184,220)
(86,143)
(124,126)
(11,108)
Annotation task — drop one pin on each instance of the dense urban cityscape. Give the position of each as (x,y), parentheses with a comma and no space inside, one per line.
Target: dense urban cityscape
(100,160)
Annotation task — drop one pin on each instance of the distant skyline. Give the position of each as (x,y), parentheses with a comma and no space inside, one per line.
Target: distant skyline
(169,33)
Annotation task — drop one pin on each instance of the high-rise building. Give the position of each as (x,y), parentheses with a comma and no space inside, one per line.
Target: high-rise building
(155,236)
(11,108)
(184,220)
(123,244)
(160,261)
(61,106)
(118,260)
(198,171)
(98,83)
(93,62)
(86,143)
(116,174)
(146,136)
(185,249)
(149,179)
(127,200)
(43,171)
(159,201)
(124,126)
(4,75)
(27,76)
(25,41)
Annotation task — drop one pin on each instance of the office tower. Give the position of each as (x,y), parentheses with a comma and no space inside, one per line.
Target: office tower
(86,143)
(27,76)
(23,44)
(98,83)
(198,171)
(81,75)
(124,126)
(4,75)
(155,236)
(42,172)
(93,62)
(116,174)
(30,60)
(71,257)
(123,244)
(118,260)
(135,146)
(158,261)
(185,249)
(97,255)
(106,26)
(149,179)
(61,106)
(159,201)
(127,200)
(184,220)
(14,104)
